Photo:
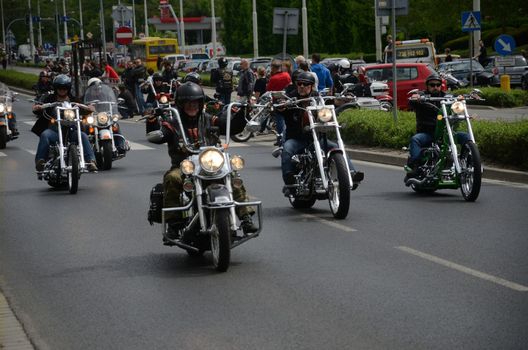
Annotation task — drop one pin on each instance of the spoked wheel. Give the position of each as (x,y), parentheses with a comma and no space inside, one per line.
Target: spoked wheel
(471,171)
(244,136)
(74,172)
(339,186)
(107,155)
(220,240)
(3,137)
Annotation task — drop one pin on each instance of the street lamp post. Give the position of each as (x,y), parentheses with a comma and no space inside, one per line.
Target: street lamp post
(3,28)
(39,40)
(31,38)
(103,35)
(182,28)
(81,20)
(146,18)
(255,30)
(305,28)
(65,22)
(213,28)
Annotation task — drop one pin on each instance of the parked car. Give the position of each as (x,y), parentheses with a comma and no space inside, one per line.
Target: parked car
(410,76)
(175,58)
(460,70)
(212,64)
(192,66)
(259,61)
(234,66)
(515,71)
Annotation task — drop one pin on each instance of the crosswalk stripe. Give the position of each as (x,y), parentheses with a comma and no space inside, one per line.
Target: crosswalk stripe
(32,151)
(138,146)
(3,154)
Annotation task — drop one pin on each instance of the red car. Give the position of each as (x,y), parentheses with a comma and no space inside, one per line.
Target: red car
(410,76)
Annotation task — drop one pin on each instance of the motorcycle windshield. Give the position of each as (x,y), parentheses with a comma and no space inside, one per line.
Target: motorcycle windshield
(102,96)
(4,90)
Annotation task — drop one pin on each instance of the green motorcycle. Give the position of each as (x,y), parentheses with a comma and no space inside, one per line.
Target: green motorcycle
(443,165)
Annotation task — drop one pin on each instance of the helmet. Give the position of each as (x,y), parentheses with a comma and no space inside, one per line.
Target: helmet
(222,62)
(93,81)
(433,76)
(306,78)
(344,64)
(193,77)
(189,91)
(332,67)
(61,81)
(157,77)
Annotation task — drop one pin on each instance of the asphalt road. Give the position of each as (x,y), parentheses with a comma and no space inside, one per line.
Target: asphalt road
(402,271)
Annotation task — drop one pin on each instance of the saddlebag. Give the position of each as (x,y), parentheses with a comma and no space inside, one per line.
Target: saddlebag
(156,204)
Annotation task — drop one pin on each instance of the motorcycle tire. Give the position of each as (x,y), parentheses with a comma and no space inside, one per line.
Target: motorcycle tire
(339,186)
(386,106)
(471,171)
(3,137)
(74,173)
(107,155)
(244,136)
(221,240)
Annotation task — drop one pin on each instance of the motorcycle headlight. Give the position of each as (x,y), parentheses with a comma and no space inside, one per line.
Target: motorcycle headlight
(324,115)
(102,118)
(237,163)
(115,117)
(90,119)
(164,99)
(211,160)
(2,108)
(69,115)
(9,108)
(187,167)
(458,108)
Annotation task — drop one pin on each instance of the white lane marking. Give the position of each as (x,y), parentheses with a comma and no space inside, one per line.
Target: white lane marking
(466,270)
(30,123)
(138,146)
(31,151)
(3,154)
(329,223)
(238,144)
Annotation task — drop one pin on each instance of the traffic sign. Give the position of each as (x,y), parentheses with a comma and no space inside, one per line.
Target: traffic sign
(123,35)
(504,45)
(470,21)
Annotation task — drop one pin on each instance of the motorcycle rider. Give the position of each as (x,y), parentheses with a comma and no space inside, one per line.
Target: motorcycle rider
(426,123)
(297,139)
(43,85)
(47,131)
(223,80)
(159,87)
(198,126)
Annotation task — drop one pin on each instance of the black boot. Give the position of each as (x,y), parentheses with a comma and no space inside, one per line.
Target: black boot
(357,177)
(247,225)
(173,233)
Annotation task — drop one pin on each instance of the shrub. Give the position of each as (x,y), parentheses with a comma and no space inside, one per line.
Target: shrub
(19,79)
(498,98)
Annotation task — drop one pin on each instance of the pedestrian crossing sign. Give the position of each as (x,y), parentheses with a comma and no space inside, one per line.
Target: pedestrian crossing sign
(470,21)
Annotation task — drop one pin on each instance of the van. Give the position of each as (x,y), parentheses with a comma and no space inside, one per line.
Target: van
(415,51)
(175,58)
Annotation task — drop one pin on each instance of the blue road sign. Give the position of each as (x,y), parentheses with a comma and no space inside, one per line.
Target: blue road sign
(504,45)
(470,21)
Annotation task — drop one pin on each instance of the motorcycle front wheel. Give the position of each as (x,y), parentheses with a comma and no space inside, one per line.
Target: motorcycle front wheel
(107,155)
(3,137)
(221,240)
(73,173)
(339,186)
(244,136)
(471,171)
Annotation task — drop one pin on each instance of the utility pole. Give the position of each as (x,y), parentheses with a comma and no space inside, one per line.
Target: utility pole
(81,20)
(146,18)
(304,14)
(134,17)
(31,38)
(476,33)
(255,29)
(58,29)
(39,40)
(182,28)
(103,29)
(3,27)
(213,28)
(65,22)
(377,22)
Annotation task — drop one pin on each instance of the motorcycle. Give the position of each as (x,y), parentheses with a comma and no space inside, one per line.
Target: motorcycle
(209,207)
(451,81)
(320,175)
(66,158)
(159,112)
(346,99)
(7,97)
(442,166)
(102,126)
(258,116)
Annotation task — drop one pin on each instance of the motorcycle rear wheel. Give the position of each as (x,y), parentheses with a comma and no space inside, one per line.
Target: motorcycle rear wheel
(471,171)
(339,186)
(74,173)
(221,240)
(107,155)
(244,136)
(3,137)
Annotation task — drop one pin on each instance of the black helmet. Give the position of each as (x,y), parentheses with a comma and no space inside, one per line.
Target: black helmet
(193,77)
(157,77)
(306,78)
(222,62)
(332,67)
(62,81)
(189,91)
(433,76)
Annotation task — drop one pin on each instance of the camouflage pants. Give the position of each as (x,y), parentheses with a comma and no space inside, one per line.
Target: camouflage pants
(173,188)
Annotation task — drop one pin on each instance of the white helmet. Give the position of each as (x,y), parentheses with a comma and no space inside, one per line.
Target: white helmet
(92,81)
(344,64)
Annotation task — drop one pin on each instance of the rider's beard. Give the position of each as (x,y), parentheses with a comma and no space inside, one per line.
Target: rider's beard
(436,93)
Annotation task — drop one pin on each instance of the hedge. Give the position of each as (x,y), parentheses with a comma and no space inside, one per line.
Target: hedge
(498,98)
(499,142)
(19,79)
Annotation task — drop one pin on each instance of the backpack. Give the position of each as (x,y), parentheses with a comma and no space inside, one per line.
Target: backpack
(156,204)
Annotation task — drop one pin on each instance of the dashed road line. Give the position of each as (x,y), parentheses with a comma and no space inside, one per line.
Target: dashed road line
(463,269)
(329,223)
(139,147)
(3,154)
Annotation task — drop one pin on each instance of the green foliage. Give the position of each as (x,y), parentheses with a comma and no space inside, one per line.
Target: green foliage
(498,98)
(500,142)
(19,79)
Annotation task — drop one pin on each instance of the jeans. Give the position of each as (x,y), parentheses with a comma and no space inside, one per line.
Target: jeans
(139,99)
(422,140)
(225,97)
(279,122)
(292,147)
(49,137)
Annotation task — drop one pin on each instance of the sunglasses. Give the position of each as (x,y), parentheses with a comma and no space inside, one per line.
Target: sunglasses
(435,85)
(303,84)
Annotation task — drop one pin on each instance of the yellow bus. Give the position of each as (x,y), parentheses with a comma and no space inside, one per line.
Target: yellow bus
(148,49)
